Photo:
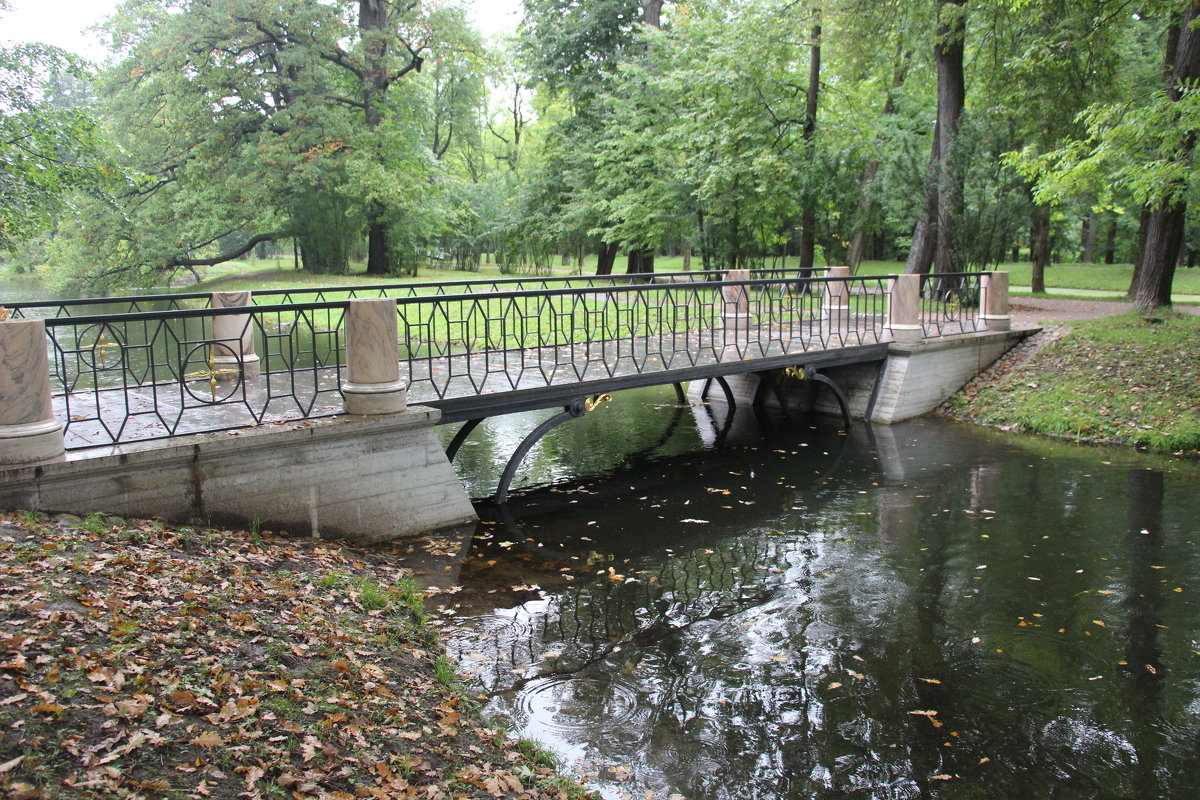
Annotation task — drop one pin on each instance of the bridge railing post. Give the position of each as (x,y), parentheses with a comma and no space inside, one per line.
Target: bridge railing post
(904,308)
(29,433)
(993,301)
(234,348)
(835,313)
(372,384)
(735,309)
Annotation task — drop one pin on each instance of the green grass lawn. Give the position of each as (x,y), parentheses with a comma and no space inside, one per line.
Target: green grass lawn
(1104,278)
(1129,379)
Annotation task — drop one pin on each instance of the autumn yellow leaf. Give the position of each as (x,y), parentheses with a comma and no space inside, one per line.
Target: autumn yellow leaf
(207,739)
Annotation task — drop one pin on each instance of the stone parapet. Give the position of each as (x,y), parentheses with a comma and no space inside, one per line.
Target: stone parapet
(363,479)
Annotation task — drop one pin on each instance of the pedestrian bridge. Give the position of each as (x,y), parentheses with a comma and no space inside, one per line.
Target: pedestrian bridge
(107,378)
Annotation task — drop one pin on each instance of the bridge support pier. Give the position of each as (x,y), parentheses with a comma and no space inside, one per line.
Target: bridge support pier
(29,433)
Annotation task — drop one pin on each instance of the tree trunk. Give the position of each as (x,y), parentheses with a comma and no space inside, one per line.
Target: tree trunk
(606,258)
(1151,287)
(1110,243)
(372,23)
(687,255)
(856,254)
(639,262)
(1159,252)
(920,250)
(952,95)
(1040,252)
(1091,228)
(808,216)
(652,12)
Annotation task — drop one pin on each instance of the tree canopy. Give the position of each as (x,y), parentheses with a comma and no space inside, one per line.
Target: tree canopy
(951,133)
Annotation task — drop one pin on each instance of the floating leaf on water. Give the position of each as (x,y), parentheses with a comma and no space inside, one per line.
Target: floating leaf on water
(832,686)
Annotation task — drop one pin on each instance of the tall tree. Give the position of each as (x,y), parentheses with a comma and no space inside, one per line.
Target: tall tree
(808,214)
(933,236)
(1167,217)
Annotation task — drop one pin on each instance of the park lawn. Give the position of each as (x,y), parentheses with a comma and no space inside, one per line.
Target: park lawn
(1096,277)
(1132,380)
(147,660)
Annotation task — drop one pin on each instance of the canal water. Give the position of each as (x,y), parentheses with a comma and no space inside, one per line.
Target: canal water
(764,607)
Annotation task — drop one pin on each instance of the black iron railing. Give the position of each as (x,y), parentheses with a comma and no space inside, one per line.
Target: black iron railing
(153,375)
(950,303)
(133,304)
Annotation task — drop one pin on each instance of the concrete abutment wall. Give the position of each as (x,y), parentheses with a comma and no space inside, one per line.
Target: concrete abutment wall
(915,378)
(360,478)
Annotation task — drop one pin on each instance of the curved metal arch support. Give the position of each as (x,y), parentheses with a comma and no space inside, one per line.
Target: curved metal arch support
(813,375)
(724,384)
(577,408)
(680,394)
(461,437)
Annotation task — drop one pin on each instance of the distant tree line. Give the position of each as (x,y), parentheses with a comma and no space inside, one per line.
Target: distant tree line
(948,134)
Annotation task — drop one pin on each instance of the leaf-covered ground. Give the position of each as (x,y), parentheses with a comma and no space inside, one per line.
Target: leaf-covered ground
(143,660)
(1132,380)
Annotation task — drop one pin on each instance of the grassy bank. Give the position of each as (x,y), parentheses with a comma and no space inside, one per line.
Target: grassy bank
(1130,380)
(141,660)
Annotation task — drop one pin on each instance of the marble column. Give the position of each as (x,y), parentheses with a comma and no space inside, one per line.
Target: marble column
(904,308)
(29,433)
(372,385)
(993,301)
(234,349)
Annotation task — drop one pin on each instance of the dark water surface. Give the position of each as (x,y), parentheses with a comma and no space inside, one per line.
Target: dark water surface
(781,611)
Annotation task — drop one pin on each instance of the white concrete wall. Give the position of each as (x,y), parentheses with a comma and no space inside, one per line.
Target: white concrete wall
(921,376)
(360,478)
(916,378)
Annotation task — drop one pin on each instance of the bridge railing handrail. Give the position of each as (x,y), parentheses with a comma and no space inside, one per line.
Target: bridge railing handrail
(624,288)
(174,300)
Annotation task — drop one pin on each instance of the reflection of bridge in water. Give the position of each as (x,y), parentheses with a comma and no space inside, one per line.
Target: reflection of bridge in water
(131,370)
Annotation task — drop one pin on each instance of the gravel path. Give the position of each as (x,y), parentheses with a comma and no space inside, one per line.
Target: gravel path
(1041,310)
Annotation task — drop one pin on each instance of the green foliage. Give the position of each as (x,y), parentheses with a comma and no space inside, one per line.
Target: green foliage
(51,146)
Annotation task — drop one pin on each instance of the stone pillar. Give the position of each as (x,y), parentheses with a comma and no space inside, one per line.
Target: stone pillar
(904,308)
(372,385)
(993,301)
(735,308)
(29,433)
(835,314)
(236,332)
